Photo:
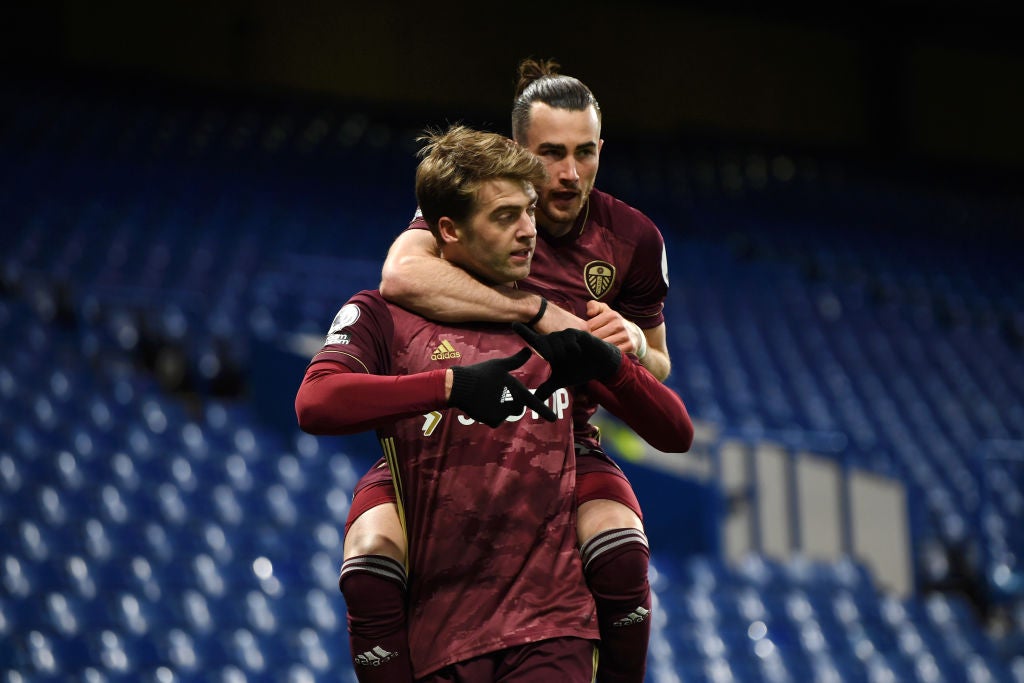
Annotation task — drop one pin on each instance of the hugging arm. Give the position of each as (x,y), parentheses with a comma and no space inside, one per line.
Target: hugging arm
(648,407)
(415,276)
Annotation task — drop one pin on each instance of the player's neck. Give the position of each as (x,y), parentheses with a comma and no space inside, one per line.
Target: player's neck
(556,231)
(490,282)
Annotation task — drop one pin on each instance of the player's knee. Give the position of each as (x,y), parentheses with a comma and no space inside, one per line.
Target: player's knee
(378,531)
(599,516)
(372,542)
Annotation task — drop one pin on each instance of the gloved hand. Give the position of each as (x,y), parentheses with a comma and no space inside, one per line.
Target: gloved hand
(575,357)
(487,393)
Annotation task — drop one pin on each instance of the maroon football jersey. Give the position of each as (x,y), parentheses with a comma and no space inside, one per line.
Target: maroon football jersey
(489,513)
(614,254)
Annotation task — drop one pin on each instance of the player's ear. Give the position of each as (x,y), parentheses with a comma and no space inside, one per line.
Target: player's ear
(447,229)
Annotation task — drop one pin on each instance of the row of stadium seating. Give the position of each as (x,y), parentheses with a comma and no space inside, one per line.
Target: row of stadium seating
(156,527)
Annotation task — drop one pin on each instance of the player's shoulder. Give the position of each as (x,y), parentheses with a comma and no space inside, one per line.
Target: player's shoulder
(618,215)
(389,315)
(369,311)
(367,301)
(418,222)
(368,297)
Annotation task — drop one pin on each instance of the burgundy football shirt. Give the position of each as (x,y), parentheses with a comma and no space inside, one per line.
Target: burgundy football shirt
(614,254)
(489,513)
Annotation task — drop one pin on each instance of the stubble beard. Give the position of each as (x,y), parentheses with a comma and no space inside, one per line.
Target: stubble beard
(556,226)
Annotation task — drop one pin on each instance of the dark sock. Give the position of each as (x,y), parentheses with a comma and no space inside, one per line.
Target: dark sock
(615,563)
(374,590)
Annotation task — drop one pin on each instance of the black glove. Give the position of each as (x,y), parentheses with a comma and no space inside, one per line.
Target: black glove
(487,393)
(575,356)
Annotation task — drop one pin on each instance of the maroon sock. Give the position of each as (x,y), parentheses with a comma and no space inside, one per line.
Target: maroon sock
(374,590)
(615,563)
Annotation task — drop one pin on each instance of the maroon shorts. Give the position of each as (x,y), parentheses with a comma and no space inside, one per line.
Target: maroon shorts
(375,488)
(597,478)
(566,660)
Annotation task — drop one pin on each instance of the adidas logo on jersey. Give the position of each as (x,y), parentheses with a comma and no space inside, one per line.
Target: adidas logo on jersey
(637,616)
(506,395)
(444,351)
(375,657)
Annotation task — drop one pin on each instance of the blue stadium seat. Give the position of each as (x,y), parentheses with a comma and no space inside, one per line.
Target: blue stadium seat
(142,514)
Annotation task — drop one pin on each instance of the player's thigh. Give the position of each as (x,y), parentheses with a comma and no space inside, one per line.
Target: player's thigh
(377,528)
(604,499)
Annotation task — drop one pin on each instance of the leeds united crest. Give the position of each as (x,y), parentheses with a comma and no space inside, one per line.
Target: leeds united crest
(598,276)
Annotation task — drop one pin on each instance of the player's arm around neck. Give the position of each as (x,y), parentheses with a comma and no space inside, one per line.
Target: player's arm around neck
(415,277)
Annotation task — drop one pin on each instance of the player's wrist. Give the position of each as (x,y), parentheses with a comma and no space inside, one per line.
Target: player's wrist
(542,308)
(640,344)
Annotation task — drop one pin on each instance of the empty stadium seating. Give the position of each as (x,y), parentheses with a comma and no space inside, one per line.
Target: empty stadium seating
(155,527)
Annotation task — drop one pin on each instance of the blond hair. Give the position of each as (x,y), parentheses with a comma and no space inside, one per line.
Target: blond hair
(456,162)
